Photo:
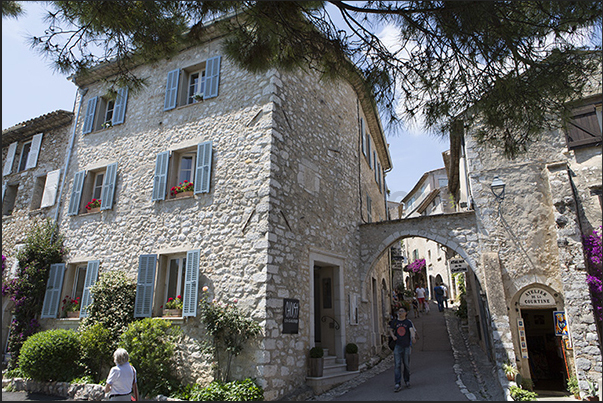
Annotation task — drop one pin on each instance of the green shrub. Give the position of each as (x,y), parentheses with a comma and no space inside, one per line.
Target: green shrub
(97,350)
(351,348)
(461,312)
(52,355)
(245,390)
(520,394)
(151,344)
(112,306)
(572,386)
(316,352)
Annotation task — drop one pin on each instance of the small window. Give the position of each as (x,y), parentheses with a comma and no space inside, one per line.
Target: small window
(24,155)
(161,277)
(9,198)
(69,283)
(192,84)
(95,185)
(104,112)
(584,127)
(188,165)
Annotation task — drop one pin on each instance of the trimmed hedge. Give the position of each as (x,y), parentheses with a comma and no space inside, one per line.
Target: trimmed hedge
(51,355)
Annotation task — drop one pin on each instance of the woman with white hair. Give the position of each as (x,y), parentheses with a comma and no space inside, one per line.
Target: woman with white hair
(121,382)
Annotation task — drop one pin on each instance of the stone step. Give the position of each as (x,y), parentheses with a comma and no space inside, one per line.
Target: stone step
(333,369)
(326,382)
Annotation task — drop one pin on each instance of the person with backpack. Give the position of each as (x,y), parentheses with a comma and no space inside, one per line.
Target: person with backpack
(439,294)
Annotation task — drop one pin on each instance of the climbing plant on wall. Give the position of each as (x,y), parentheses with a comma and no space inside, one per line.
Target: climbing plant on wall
(594,277)
(43,247)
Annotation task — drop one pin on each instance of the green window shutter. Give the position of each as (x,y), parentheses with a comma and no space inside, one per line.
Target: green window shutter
(171,90)
(212,77)
(119,111)
(90,112)
(10,158)
(143,306)
(50,307)
(34,151)
(191,286)
(76,193)
(91,276)
(160,179)
(109,187)
(203,168)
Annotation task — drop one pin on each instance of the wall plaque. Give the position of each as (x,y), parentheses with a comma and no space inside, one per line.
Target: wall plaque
(536,297)
(290,315)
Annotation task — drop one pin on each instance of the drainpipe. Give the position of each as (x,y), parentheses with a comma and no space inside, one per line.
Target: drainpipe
(81,92)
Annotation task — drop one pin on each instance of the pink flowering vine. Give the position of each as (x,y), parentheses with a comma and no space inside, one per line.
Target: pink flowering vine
(594,277)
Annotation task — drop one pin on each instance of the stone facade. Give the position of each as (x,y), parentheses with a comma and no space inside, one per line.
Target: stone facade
(290,182)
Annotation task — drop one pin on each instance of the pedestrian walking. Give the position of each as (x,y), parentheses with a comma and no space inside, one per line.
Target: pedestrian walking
(403,332)
(415,307)
(439,294)
(445,295)
(420,294)
(121,382)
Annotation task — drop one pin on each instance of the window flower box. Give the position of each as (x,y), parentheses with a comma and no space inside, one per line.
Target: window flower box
(172,312)
(73,314)
(188,193)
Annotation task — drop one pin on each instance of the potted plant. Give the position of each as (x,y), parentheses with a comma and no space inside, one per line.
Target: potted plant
(173,306)
(183,189)
(592,390)
(572,386)
(93,206)
(71,307)
(510,370)
(198,97)
(351,357)
(316,361)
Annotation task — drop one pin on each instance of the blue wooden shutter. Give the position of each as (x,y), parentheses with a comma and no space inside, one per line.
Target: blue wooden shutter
(108,187)
(362,136)
(212,77)
(34,151)
(368,149)
(119,111)
(160,179)
(10,158)
(171,90)
(76,193)
(91,276)
(50,307)
(203,168)
(191,286)
(90,112)
(143,306)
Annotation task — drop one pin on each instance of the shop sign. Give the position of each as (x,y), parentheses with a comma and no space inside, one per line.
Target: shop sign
(457,266)
(290,315)
(537,297)
(523,345)
(560,324)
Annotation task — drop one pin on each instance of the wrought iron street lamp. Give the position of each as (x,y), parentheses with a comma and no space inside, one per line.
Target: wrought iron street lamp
(498,189)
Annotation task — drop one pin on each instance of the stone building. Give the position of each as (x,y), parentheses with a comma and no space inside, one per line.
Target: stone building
(532,280)
(33,154)
(284,167)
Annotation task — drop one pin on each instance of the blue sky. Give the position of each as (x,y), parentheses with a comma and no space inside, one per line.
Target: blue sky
(31,88)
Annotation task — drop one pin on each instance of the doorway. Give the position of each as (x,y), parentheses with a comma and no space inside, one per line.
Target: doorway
(545,350)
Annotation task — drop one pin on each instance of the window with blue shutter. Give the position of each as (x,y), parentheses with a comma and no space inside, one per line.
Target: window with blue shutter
(119,111)
(368,149)
(191,286)
(171,90)
(34,151)
(109,187)
(203,168)
(91,277)
(362,136)
(212,77)
(10,158)
(143,305)
(160,179)
(50,306)
(76,193)
(90,113)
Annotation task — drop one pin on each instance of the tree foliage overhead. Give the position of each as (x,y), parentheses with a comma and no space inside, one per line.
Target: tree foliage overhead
(517,62)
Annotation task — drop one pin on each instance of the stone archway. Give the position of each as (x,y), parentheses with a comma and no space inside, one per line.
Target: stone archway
(457,231)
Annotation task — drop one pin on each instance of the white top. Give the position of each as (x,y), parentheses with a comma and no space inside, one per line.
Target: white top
(420,292)
(121,378)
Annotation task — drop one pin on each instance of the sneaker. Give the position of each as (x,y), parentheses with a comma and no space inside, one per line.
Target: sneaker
(407,385)
(397,388)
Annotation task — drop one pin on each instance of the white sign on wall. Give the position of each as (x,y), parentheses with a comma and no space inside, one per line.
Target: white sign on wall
(457,266)
(536,297)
